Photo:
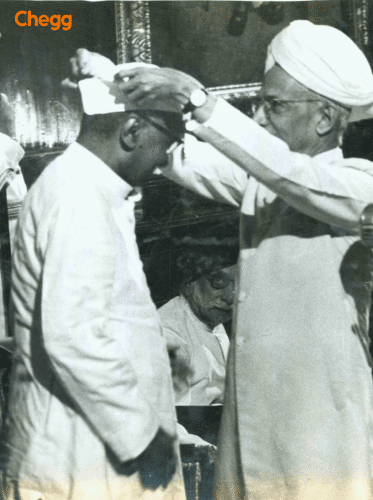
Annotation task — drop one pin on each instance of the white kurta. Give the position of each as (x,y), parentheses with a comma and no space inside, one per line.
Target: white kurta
(297,420)
(11,176)
(204,351)
(91,378)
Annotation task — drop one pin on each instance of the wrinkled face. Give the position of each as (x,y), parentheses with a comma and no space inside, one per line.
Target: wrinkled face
(293,122)
(211,297)
(150,152)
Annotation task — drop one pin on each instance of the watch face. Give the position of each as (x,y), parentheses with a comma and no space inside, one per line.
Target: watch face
(198,98)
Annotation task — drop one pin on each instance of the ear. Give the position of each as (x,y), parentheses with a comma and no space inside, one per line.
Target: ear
(129,132)
(328,116)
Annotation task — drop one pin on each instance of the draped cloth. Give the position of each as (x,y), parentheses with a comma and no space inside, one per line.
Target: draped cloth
(297,421)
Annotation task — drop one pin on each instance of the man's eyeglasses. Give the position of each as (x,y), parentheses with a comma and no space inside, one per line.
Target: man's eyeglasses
(275,106)
(176,138)
(218,280)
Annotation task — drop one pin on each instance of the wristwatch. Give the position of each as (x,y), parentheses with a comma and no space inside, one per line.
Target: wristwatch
(197,99)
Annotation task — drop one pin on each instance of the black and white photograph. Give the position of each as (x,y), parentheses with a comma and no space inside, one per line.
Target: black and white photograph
(186,250)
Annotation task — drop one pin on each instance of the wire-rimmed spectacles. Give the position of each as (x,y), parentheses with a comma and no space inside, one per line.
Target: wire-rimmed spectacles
(177,139)
(272,105)
(174,136)
(219,280)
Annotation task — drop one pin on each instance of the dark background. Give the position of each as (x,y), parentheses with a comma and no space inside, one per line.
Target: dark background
(202,38)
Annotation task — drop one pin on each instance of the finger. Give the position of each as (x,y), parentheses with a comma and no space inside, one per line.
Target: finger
(140,96)
(69,84)
(143,98)
(127,73)
(128,86)
(74,66)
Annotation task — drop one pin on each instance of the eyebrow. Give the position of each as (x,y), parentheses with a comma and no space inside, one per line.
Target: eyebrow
(162,128)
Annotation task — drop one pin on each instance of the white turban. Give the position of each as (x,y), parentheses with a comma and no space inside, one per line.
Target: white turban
(326,61)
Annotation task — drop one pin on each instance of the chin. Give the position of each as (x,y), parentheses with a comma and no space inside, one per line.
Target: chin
(221,318)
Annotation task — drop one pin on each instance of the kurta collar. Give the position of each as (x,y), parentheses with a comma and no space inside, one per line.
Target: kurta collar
(328,157)
(107,178)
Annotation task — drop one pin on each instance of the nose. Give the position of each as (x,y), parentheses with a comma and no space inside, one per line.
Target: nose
(260,117)
(228,296)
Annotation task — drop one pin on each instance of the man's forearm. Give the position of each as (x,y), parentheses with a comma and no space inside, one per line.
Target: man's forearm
(332,195)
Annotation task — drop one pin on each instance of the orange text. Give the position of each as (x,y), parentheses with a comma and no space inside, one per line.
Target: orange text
(24,18)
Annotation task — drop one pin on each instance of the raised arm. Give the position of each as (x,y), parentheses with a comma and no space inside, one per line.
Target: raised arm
(332,194)
(203,169)
(335,194)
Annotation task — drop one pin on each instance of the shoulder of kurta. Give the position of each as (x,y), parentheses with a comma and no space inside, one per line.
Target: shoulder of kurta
(171,314)
(358,164)
(64,184)
(174,320)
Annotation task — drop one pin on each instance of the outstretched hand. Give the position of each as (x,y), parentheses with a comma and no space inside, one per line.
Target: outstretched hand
(86,64)
(180,370)
(146,85)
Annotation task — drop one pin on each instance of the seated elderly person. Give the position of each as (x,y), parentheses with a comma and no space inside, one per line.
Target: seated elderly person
(192,324)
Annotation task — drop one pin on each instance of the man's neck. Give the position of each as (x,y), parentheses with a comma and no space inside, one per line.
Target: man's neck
(99,148)
(320,147)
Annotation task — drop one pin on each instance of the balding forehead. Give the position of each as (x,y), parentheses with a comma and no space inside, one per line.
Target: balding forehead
(278,83)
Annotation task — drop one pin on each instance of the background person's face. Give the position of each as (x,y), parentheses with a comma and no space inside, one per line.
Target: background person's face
(294,123)
(211,297)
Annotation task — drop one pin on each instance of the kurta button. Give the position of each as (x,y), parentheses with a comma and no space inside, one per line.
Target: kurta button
(240,340)
(241,296)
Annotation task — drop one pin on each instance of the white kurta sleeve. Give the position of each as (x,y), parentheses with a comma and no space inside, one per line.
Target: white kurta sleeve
(83,336)
(10,155)
(335,194)
(201,168)
(181,349)
(11,179)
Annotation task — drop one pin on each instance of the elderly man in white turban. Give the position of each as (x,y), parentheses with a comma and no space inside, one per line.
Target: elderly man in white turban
(91,412)
(298,414)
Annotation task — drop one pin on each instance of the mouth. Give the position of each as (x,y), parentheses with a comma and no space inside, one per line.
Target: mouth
(221,305)
(226,310)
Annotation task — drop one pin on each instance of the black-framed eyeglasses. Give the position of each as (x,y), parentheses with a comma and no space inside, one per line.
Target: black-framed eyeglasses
(272,105)
(218,280)
(175,138)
